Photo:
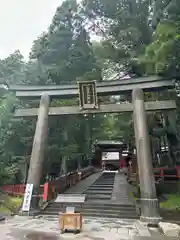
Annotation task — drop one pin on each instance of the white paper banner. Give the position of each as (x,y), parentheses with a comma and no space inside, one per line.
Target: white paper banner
(27,197)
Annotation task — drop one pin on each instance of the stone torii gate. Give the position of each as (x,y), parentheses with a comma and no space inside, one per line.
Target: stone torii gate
(88,93)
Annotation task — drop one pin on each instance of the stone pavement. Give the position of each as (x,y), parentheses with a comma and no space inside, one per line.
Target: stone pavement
(120,193)
(46,228)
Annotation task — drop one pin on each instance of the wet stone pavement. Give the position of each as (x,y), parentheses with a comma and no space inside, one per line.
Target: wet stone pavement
(46,228)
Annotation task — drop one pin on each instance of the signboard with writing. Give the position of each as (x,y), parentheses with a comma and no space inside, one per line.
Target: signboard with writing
(110,156)
(87,95)
(27,197)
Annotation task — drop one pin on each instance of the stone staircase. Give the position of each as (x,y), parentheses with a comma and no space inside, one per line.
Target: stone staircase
(102,188)
(94,209)
(98,203)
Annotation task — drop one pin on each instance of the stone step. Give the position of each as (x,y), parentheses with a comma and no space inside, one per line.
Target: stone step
(100,214)
(108,205)
(104,181)
(100,205)
(101,186)
(111,179)
(100,191)
(98,196)
(93,209)
(111,215)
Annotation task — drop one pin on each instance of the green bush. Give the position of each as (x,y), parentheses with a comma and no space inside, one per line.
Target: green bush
(172,203)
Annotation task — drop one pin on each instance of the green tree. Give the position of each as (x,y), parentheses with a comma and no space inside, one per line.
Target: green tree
(12,69)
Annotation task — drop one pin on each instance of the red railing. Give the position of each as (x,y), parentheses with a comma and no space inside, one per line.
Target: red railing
(163,172)
(50,189)
(167,173)
(19,189)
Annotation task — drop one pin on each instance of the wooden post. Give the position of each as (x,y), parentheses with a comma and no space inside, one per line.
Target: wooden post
(149,201)
(38,150)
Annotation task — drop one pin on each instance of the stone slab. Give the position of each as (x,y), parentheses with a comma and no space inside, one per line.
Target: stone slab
(169,229)
(89,191)
(142,229)
(148,238)
(70,198)
(99,196)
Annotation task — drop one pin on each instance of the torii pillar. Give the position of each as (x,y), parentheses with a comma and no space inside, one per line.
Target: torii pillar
(149,201)
(38,150)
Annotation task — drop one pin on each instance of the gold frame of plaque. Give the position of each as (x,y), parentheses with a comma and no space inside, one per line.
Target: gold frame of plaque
(87,95)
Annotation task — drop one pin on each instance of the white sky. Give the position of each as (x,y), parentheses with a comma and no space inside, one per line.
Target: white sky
(21,21)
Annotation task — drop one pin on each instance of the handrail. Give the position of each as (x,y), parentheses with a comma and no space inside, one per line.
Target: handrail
(51,188)
(162,174)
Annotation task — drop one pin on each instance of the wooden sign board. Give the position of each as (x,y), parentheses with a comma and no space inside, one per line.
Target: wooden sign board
(87,95)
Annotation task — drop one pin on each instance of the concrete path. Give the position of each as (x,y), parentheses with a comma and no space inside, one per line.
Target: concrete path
(47,228)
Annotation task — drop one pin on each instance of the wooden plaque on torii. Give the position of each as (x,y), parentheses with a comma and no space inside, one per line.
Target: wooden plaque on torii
(87,95)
